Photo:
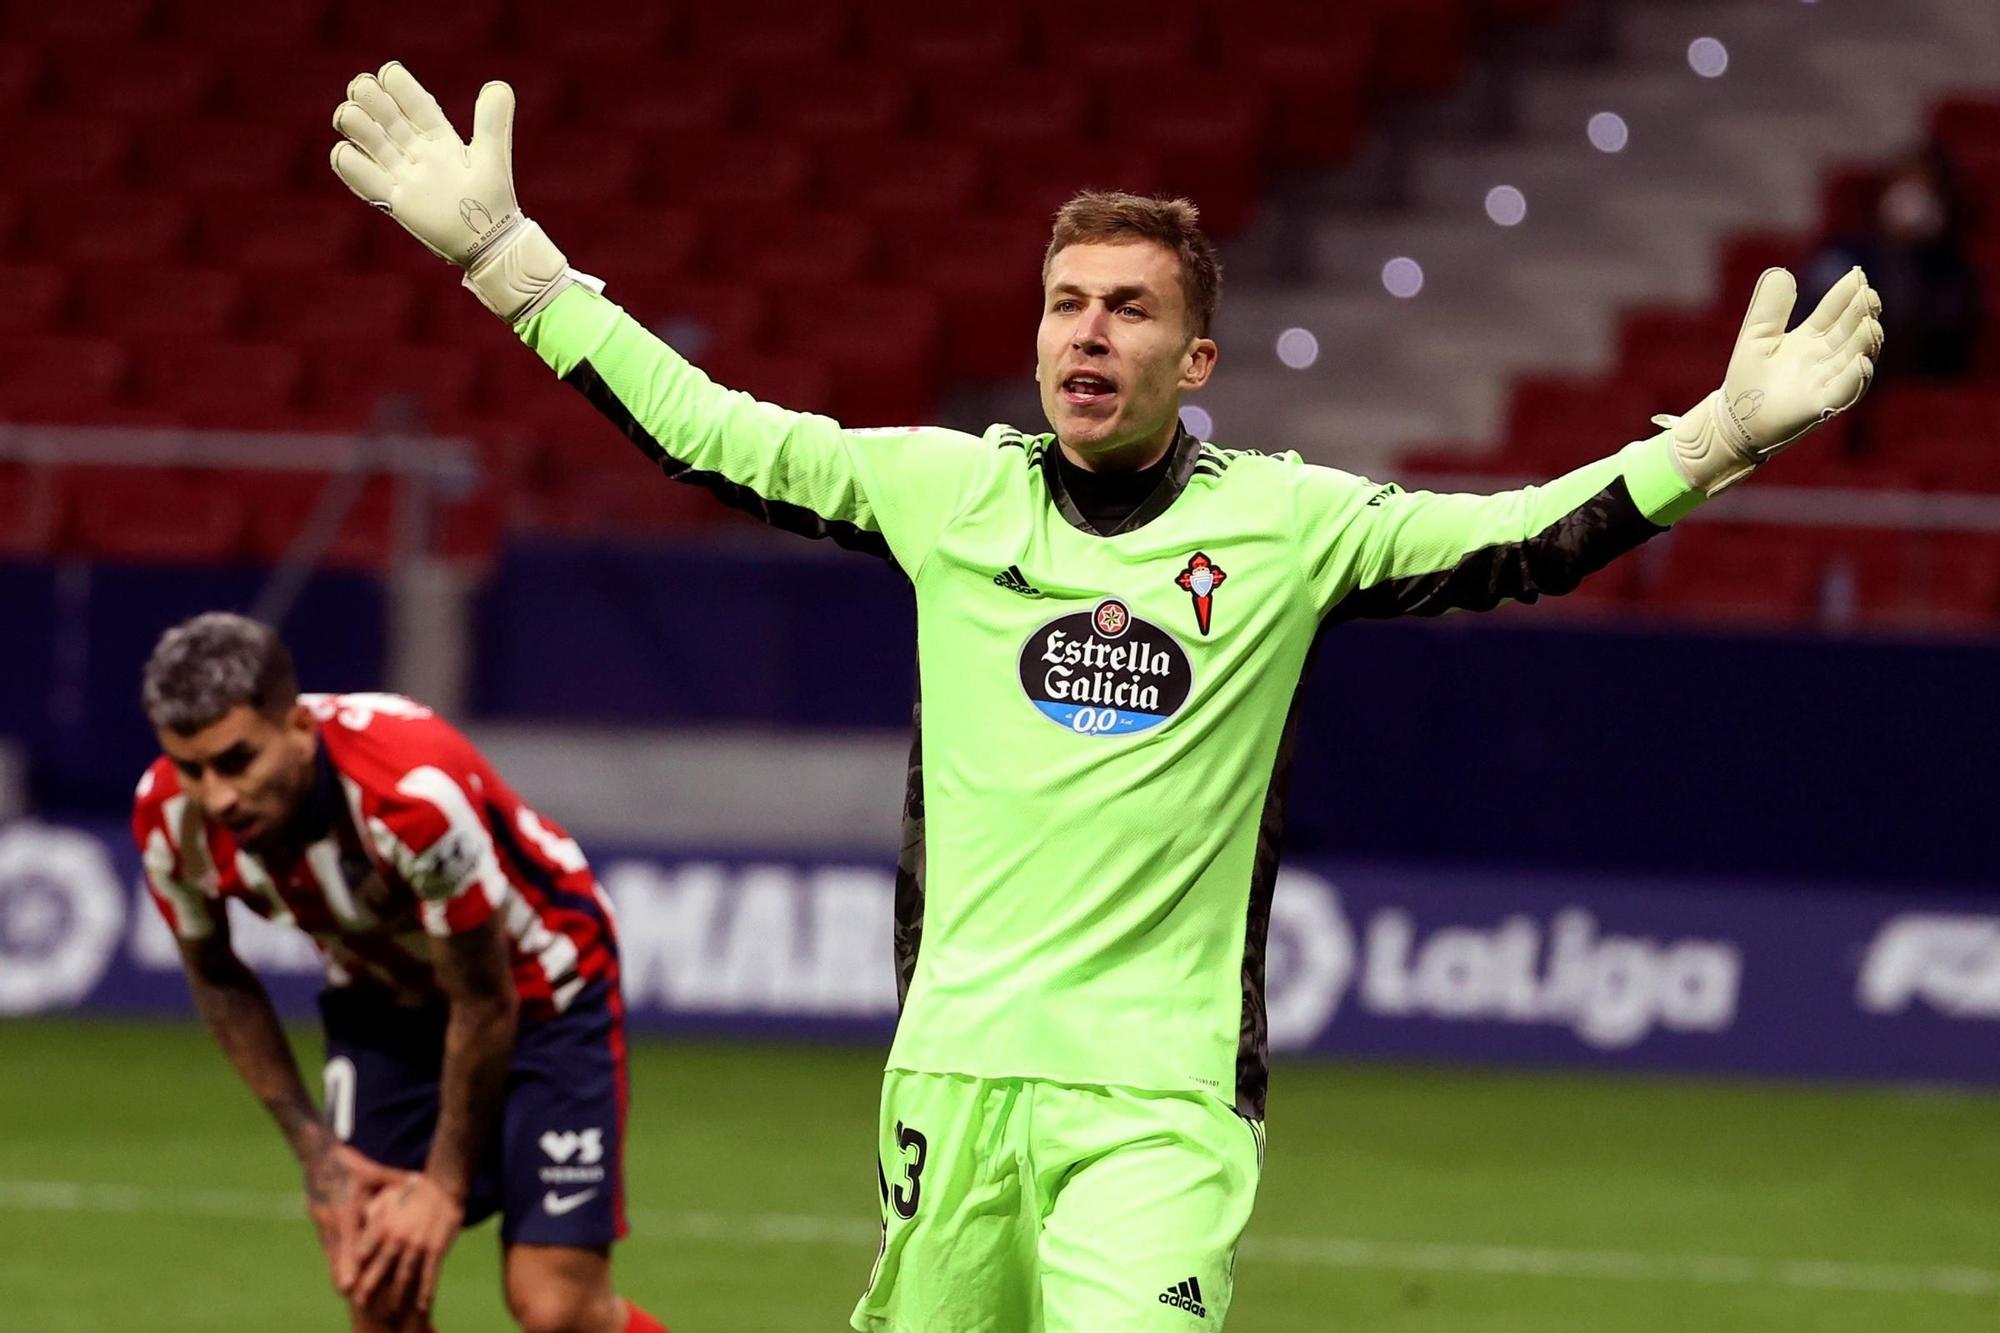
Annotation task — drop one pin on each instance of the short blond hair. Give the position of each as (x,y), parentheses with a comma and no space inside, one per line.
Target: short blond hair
(1112,215)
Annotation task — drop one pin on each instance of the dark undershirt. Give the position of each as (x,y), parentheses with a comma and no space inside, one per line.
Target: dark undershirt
(1107,499)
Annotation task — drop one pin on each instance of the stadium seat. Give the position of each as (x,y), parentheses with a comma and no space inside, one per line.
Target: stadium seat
(262,26)
(902,178)
(314,306)
(1318,81)
(21,79)
(147,301)
(152,515)
(220,384)
(59,378)
(882,346)
(295,85)
(612,240)
(1212,150)
(104,23)
(1116,36)
(1035,179)
(663,99)
(264,231)
(393,384)
(794,248)
(412,32)
(629,499)
(988,106)
(30,512)
(784,33)
(109,226)
(732,174)
(138,82)
(1555,423)
(919,33)
(454,72)
(1738,572)
(280,505)
(822,101)
(224,154)
(59,152)
(1421,45)
(1744,259)
(695,317)
(986,274)
(37,297)
(587,33)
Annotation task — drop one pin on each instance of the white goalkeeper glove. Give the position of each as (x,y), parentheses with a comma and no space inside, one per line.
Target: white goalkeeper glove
(1780,385)
(400,154)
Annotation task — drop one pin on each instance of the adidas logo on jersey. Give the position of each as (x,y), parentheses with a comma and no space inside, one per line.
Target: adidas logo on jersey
(1011,579)
(1186,1295)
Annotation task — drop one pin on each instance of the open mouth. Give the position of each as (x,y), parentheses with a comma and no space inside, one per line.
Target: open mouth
(1085,388)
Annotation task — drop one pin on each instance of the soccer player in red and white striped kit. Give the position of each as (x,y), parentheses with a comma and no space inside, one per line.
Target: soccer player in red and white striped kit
(474,1028)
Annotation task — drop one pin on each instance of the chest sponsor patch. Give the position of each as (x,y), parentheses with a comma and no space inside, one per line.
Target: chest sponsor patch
(1105,672)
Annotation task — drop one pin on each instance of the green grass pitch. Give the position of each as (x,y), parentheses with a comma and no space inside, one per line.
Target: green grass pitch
(140,1188)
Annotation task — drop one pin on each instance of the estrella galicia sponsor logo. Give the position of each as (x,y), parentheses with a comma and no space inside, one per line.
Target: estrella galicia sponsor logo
(1105,672)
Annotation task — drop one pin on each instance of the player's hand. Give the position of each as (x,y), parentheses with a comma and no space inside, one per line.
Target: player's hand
(405,1233)
(339,1183)
(400,154)
(1780,384)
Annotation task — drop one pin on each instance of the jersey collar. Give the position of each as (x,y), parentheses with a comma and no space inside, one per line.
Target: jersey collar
(1182,455)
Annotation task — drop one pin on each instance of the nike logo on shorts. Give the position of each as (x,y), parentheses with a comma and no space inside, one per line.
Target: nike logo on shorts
(555,1205)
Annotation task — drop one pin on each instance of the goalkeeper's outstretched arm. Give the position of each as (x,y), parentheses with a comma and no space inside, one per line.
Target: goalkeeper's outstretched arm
(888,493)
(1379,551)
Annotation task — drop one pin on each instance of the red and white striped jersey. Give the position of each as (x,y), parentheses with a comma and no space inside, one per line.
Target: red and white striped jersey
(408,833)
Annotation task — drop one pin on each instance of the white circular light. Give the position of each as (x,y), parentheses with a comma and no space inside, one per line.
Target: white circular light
(1298,348)
(1708,57)
(1403,276)
(1506,205)
(1608,132)
(1198,422)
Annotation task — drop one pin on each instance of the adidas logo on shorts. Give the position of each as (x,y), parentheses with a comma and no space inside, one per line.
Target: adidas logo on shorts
(1186,1295)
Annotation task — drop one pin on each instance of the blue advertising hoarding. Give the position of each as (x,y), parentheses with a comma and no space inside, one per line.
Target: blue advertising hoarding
(1366,960)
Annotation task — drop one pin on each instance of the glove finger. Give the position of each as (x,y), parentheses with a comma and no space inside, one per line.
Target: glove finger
(1849,320)
(1836,300)
(1770,307)
(493,122)
(1846,388)
(1865,340)
(367,92)
(362,174)
(364,132)
(415,100)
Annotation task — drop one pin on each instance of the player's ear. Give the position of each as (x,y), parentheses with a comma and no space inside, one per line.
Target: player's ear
(1199,363)
(299,718)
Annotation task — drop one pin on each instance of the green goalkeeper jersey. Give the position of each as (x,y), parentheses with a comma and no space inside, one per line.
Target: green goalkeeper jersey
(1092,821)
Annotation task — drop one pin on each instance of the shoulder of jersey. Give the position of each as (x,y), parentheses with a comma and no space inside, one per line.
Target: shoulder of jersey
(377,738)
(1016,443)
(1213,460)
(159,784)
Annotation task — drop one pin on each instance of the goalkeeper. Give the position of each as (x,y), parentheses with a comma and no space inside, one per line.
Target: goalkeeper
(1113,620)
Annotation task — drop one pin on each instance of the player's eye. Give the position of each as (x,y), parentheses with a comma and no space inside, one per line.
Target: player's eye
(231,763)
(1065,306)
(187,770)
(1132,311)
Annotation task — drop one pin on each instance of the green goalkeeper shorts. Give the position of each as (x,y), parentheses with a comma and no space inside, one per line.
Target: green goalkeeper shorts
(1018,1206)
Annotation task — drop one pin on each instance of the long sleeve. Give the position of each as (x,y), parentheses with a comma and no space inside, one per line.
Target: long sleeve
(1374,551)
(887,492)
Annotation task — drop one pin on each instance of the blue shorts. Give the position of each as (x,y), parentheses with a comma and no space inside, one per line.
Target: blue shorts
(554,1168)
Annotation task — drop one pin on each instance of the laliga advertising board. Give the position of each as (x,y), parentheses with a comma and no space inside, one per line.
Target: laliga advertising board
(1365,960)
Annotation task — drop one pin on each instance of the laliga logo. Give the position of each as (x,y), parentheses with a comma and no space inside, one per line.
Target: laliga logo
(61,913)
(1951,963)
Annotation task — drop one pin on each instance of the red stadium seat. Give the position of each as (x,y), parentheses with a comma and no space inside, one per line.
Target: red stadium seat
(223,385)
(310,306)
(1737,572)
(1555,423)
(415,31)
(767,32)
(454,72)
(263,25)
(1212,151)
(796,248)
(145,300)
(280,505)
(822,101)
(109,23)
(199,156)
(139,82)
(258,231)
(37,297)
(99,226)
(1967,120)
(916,33)
(152,515)
(615,239)
(1318,81)
(60,152)
(882,346)
(583,167)
(1421,45)
(696,317)
(732,174)
(667,99)
(1035,179)
(30,512)
(393,384)
(629,499)
(593,32)
(989,106)
(53,378)
(1114,36)
(21,78)
(901,178)
(1744,259)
(296,86)
(986,273)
